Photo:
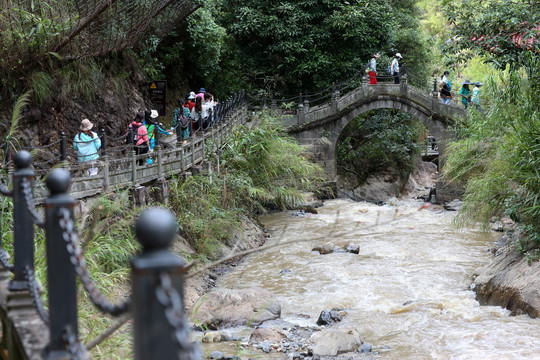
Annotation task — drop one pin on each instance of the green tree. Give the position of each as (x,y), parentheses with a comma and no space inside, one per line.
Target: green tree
(498,156)
(380,141)
(505,32)
(304,44)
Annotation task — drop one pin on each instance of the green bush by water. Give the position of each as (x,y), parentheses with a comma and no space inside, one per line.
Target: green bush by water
(498,155)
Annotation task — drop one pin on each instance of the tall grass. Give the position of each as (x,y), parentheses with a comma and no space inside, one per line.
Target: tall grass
(259,168)
(498,156)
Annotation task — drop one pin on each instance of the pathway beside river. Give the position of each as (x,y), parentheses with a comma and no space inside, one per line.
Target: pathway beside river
(407,291)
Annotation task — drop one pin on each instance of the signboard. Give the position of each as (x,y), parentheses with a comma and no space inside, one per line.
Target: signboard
(158,95)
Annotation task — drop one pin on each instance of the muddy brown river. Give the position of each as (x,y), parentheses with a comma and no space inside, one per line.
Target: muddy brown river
(408,291)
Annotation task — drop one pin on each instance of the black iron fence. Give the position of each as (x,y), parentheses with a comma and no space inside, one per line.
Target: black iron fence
(156,303)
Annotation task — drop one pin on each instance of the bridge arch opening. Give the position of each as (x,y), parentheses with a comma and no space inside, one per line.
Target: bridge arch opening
(384,143)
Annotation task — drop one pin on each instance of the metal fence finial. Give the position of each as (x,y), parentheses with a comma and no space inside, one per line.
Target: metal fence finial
(58,181)
(22,160)
(155,229)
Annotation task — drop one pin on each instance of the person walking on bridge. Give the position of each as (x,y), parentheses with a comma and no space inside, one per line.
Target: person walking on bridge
(373,69)
(394,68)
(446,87)
(465,93)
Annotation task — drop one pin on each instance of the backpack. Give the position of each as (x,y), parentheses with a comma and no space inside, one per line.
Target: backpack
(183,122)
(449,85)
(180,118)
(367,68)
(389,70)
(131,138)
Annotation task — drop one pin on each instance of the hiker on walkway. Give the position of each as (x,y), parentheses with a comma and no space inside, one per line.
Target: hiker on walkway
(373,69)
(182,121)
(140,136)
(445,88)
(476,96)
(465,93)
(201,93)
(151,123)
(87,143)
(394,67)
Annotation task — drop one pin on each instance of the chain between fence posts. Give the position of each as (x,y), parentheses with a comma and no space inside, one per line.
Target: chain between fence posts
(160,327)
(61,275)
(23,229)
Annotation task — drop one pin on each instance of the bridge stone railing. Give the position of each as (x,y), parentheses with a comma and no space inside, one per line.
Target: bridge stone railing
(337,102)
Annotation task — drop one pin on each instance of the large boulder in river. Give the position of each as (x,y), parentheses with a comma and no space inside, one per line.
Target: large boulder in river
(511,282)
(378,190)
(335,341)
(236,307)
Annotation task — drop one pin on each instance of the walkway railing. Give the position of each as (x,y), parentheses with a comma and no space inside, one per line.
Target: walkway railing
(32,330)
(119,165)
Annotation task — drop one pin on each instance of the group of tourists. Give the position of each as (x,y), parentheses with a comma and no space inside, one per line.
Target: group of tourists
(467,96)
(393,69)
(195,113)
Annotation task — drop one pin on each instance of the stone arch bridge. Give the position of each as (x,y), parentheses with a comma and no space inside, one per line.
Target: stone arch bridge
(319,127)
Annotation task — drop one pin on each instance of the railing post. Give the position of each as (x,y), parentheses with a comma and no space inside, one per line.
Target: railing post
(160,328)
(63,147)
(335,97)
(23,228)
(306,108)
(61,276)
(133,166)
(130,136)
(103,143)
(157,149)
(404,88)
(156,134)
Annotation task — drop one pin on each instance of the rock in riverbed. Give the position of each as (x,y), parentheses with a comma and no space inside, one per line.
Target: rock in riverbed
(236,307)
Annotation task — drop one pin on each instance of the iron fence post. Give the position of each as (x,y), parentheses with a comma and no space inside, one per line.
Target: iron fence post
(160,329)
(130,139)
(157,149)
(63,147)
(61,276)
(103,143)
(156,134)
(23,228)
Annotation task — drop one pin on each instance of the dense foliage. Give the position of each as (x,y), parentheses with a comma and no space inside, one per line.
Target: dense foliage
(506,32)
(380,141)
(498,157)
(260,167)
(291,46)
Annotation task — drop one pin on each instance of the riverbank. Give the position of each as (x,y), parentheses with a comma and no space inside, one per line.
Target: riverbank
(509,280)
(275,328)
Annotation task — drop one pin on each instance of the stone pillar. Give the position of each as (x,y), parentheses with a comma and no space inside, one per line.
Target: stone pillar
(163,190)
(403,86)
(301,115)
(335,98)
(138,195)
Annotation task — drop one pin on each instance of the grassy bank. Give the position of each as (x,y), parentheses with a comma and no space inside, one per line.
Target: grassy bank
(258,168)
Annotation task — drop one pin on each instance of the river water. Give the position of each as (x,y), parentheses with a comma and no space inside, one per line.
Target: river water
(407,291)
